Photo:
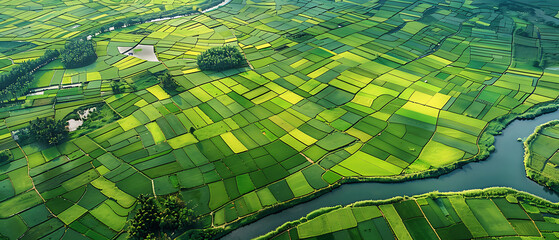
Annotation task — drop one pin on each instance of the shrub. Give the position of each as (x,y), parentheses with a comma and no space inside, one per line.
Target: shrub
(221,58)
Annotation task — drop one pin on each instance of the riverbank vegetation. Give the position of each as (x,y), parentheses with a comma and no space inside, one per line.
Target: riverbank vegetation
(494,213)
(540,155)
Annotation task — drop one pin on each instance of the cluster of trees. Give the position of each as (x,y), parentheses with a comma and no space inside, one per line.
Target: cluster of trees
(299,36)
(221,58)
(101,116)
(160,218)
(47,131)
(117,87)
(78,53)
(167,81)
(17,80)
(5,155)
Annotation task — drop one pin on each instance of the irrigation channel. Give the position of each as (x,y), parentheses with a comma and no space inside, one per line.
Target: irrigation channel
(503,168)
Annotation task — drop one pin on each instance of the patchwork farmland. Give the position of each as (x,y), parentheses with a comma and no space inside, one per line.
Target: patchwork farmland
(539,159)
(465,215)
(332,92)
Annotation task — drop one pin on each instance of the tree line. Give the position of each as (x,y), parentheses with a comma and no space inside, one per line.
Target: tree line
(17,81)
(78,52)
(221,58)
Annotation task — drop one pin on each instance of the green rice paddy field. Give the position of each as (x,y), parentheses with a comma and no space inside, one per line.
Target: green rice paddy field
(488,214)
(334,91)
(540,158)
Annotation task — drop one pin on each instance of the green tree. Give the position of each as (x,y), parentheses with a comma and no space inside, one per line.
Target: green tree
(167,81)
(5,155)
(221,58)
(47,131)
(17,81)
(145,222)
(299,36)
(78,53)
(160,218)
(117,87)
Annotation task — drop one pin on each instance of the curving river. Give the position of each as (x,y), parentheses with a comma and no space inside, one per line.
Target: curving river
(503,168)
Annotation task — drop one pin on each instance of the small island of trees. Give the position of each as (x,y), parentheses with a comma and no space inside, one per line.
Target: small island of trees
(160,218)
(78,53)
(47,131)
(221,58)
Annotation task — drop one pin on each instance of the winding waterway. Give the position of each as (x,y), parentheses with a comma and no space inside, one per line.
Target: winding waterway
(503,168)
